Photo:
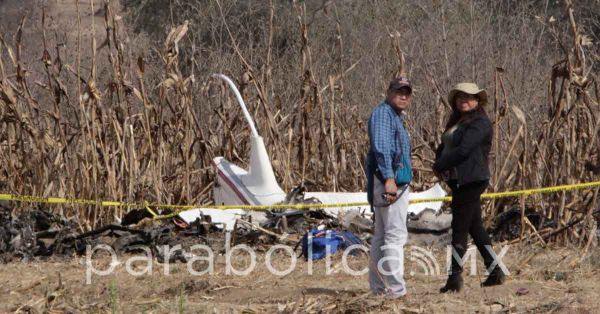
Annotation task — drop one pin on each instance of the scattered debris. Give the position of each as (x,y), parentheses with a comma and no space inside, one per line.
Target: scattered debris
(356,222)
(507,225)
(38,233)
(31,233)
(430,228)
(134,216)
(522,291)
(319,242)
(224,218)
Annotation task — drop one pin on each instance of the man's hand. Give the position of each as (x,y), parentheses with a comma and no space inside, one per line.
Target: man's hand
(391,188)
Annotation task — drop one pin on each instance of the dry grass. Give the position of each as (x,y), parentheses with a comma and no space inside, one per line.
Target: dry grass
(67,131)
(553,285)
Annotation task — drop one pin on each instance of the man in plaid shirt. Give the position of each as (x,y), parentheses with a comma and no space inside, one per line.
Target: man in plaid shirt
(388,189)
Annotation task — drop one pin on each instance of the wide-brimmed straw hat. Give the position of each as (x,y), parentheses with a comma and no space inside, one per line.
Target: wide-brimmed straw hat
(468,88)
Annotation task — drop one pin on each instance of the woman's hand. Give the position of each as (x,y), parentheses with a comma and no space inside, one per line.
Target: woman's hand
(442,176)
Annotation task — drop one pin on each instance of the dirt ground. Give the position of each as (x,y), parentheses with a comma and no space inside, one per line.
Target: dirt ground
(555,280)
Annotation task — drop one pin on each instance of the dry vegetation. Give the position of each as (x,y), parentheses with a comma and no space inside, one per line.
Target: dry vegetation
(57,286)
(112,100)
(93,110)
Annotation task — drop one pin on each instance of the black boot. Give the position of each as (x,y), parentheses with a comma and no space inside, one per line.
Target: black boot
(455,280)
(454,283)
(495,278)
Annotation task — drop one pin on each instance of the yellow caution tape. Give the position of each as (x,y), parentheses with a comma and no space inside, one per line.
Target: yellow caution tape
(153,213)
(59,200)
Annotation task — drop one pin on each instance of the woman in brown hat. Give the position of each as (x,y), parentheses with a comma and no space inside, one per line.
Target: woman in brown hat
(462,161)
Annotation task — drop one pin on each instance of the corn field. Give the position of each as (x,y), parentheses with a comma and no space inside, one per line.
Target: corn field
(134,128)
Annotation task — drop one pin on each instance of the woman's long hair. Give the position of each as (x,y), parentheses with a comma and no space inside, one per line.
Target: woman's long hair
(457,117)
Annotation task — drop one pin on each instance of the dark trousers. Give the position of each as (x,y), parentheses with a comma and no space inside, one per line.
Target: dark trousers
(466,219)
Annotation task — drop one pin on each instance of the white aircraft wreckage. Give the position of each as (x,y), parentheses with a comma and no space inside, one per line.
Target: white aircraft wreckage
(258,186)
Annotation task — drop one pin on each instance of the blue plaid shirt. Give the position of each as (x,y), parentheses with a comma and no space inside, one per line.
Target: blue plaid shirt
(389,141)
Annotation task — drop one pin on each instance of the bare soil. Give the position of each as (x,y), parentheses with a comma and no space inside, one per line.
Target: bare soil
(554,278)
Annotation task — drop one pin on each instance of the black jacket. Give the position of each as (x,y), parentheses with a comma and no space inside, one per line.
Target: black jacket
(472,142)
